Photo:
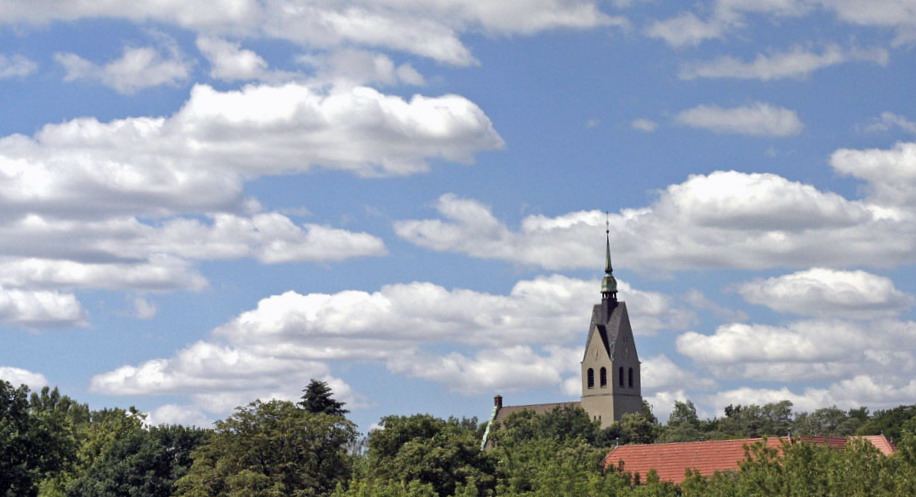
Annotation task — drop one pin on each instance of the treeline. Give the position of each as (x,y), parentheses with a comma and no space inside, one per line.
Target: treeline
(752,421)
(51,445)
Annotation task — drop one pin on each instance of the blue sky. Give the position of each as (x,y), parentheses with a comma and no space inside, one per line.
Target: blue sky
(204,204)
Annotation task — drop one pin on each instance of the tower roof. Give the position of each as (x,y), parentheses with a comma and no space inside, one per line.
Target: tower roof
(609,283)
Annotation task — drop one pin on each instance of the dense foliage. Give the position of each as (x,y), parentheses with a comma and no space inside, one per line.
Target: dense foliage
(53,446)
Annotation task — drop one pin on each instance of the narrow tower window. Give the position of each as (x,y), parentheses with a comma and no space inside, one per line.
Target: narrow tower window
(591,378)
(620,376)
(631,378)
(602,376)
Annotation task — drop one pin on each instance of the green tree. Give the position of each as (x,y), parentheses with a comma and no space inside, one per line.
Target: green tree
(683,424)
(141,463)
(888,422)
(773,419)
(637,427)
(271,449)
(317,398)
(20,466)
(429,450)
(826,422)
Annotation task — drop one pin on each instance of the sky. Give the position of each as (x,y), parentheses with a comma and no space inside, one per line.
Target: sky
(206,203)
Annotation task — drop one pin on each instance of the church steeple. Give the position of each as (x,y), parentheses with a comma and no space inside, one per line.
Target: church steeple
(609,283)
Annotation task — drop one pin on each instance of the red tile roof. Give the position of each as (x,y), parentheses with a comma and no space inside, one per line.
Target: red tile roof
(671,460)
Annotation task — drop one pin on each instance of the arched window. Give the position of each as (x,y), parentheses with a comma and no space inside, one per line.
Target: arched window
(620,376)
(591,378)
(602,377)
(631,378)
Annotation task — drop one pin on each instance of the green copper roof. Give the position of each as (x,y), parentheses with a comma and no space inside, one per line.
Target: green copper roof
(609,283)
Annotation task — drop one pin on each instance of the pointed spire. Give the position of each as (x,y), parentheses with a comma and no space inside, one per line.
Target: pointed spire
(609,283)
(607,253)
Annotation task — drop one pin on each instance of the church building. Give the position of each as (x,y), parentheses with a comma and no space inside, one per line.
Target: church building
(610,364)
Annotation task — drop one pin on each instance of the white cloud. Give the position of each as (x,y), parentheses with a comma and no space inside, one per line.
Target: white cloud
(796,63)
(528,338)
(888,120)
(687,30)
(253,131)
(103,205)
(346,67)
(662,403)
(19,376)
(144,308)
(504,369)
(897,14)
(783,8)
(757,119)
(39,309)
(829,293)
(804,350)
(876,392)
(723,219)
(159,273)
(16,66)
(171,414)
(229,62)
(429,29)
(890,173)
(644,125)
(137,69)
(660,374)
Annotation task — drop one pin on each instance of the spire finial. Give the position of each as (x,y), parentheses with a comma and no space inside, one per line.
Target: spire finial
(608,268)
(609,283)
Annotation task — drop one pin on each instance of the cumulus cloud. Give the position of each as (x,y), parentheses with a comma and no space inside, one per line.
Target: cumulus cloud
(528,338)
(505,369)
(16,66)
(19,376)
(890,173)
(171,414)
(829,293)
(39,309)
(859,391)
(661,374)
(725,219)
(757,119)
(159,273)
(137,69)
(357,67)
(109,204)
(804,350)
(256,130)
(229,62)
(429,29)
(796,63)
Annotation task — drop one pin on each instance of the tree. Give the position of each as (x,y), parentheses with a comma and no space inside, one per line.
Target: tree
(637,427)
(752,421)
(316,398)
(20,466)
(271,449)
(888,422)
(142,463)
(826,422)
(683,424)
(429,450)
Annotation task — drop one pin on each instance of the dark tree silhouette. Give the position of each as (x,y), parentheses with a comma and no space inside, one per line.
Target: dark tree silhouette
(316,398)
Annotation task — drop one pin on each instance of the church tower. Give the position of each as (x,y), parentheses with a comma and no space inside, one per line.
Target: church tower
(610,366)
